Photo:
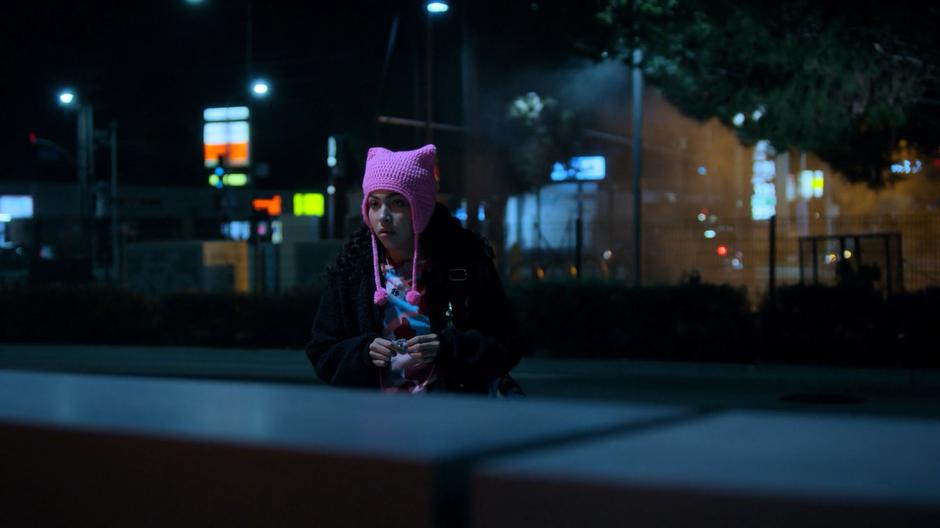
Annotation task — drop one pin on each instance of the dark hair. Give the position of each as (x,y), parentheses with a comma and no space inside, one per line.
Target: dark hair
(443,239)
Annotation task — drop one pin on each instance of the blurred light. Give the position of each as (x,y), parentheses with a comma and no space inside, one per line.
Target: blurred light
(309,204)
(710,233)
(46,252)
(237,179)
(906,167)
(539,272)
(701,217)
(260,88)
(237,230)
(215,181)
(219,171)
(713,218)
(722,251)
(819,182)
(461,214)
(271,205)
(331,151)
(702,170)
(573,271)
(32,138)
(229,113)
(277,232)
(608,254)
(847,254)
(736,263)
(481,214)
(330,189)
(4,218)
(437,7)
(758,113)
(831,257)
(194,2)
(764,197)
(66,97)
(738,119)
(262,228)
(16,206)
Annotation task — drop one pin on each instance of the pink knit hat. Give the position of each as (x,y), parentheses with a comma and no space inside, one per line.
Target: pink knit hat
(410,173)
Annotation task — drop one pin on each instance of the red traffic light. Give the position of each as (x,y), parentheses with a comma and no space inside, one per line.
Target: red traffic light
(722,250)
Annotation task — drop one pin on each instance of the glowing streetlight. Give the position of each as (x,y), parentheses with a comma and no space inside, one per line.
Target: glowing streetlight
(260,88)
(437,7)
(738,119)
(66,97)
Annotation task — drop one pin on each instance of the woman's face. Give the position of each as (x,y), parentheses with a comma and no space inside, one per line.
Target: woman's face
(390,220)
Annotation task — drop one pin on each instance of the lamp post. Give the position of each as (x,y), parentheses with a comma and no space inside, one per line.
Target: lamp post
(432,8)
(85,163)
(86,160)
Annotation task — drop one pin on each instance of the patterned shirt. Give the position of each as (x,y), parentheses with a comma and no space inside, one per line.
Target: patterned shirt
(403,320)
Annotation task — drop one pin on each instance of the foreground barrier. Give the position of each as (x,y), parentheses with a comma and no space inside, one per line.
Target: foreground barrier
(117,451)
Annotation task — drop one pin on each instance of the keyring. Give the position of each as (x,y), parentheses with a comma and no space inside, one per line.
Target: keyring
(402,344)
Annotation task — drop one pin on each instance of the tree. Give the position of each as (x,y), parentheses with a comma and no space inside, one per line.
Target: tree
(851,83)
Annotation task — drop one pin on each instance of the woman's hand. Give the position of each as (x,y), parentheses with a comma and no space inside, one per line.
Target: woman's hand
(381,351)
(424,347)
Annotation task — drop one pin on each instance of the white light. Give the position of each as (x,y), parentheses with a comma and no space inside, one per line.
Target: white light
(4,218)
(230,113)
(710,233)
(758,113)
(736,263)
(608,254)
(331,161)
(67,97)
(846,254)
(437,7)
(260,88)
(701,217)
(331,189)
(738,119)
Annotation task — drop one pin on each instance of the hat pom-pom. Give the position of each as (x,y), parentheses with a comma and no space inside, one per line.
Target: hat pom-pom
(380,297)
(413,298)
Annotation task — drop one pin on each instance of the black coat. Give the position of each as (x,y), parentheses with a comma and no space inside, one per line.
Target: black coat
(479,343)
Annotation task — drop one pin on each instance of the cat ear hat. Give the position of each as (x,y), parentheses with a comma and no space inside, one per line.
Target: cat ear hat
(411,174)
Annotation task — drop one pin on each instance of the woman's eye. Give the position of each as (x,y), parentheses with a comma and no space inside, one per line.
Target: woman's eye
(400,203)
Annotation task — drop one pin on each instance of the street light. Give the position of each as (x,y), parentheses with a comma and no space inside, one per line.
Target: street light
(66,97)
(437,7)
(260,88)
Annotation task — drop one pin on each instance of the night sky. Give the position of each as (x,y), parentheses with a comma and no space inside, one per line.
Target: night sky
(153,67)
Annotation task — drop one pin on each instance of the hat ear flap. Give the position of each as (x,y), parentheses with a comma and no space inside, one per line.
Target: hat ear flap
(375,151)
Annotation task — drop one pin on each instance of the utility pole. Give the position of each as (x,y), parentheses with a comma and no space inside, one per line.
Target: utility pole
(637,165)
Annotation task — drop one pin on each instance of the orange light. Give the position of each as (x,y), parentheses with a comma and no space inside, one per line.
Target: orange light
(722,251)
(271,205)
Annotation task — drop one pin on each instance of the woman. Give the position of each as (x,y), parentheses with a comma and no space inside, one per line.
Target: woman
(452,329)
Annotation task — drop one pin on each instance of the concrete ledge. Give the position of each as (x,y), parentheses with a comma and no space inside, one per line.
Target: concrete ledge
(734,469)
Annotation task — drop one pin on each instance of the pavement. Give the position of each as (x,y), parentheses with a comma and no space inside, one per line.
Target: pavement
(708,386)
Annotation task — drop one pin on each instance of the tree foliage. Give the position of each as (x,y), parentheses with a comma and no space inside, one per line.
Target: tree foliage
(848,82)
(541,133)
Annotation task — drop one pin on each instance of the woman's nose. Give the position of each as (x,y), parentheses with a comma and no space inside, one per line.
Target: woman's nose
(385,215)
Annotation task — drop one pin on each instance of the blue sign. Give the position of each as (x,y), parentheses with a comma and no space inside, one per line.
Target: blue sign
(580,168)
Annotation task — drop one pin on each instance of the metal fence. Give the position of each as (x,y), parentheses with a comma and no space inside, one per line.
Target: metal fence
(734,251)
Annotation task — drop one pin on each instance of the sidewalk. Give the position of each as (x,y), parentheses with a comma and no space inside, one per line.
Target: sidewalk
(704,385)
